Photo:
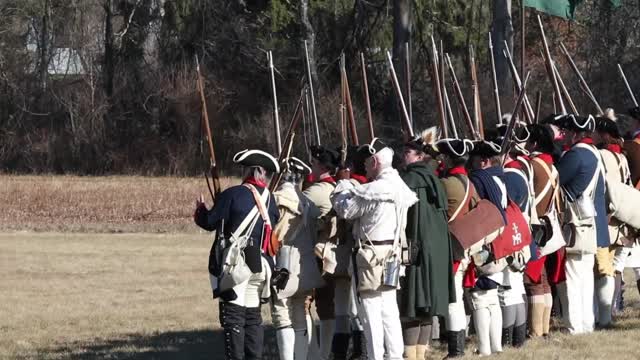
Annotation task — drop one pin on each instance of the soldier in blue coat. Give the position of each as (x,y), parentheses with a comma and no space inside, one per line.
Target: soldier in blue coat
(582,180)
(239,306)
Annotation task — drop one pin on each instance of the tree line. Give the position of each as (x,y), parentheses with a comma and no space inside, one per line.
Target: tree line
(109,86)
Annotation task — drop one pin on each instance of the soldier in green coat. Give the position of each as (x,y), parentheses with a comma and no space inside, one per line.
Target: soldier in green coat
(428,285)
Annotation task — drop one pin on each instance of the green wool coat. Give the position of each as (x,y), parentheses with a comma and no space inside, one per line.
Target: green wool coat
(428,286)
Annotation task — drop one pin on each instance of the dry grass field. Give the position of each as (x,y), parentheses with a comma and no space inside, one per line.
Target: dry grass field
(146,296)
(109,204)
(112,268)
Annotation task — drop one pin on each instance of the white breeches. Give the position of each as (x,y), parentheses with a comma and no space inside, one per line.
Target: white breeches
(579,293)
(382,325)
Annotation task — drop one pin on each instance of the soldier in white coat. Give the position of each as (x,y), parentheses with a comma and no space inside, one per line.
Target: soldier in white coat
(378,212)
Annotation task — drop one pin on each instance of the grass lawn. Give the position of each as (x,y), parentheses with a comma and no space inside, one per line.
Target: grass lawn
(147,296)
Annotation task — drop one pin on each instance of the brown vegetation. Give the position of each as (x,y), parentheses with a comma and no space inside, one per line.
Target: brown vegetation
(147,296)
(100,204)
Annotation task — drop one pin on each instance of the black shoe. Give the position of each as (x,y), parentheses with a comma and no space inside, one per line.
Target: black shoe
(519,335)
(507,336)
(359,351)
(455,343)
(340,346)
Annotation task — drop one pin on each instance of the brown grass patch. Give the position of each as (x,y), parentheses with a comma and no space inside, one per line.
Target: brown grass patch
(147,296)
(100,204)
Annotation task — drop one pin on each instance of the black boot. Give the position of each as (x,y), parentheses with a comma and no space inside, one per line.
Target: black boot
(455,340)
(340,346)
(519,335)
(359,350)
(507,336)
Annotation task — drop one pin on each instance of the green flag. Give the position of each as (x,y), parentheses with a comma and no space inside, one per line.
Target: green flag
(561,8)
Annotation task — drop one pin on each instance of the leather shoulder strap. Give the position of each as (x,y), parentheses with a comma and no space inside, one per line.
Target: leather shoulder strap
(465,201)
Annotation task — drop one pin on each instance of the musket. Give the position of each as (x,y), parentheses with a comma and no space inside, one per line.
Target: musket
(516,78)
(347,93)
(438,88)
(624,78)
(407,66)
(461,102)
(450,114)
(549,65)
(288,140)
(213,166)
(365,89)
(477,110)
(343,120)
(398,91)
(512,124)
(496,92)
(311,92)
(565,92)
(276,117)
(443,81)
(538,103)
(583,83)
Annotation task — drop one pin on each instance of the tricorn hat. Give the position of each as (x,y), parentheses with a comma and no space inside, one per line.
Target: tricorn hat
(577,123)
(295,165)
(485,148)
(260,158)
(326,156)
(551,119)
(371,148)
(454,147)
(607,126)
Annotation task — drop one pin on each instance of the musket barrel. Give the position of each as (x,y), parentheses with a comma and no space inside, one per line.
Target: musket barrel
(207,127)
(512,124)
(496,92)
(624,78)
(514,73)
(477,108)
(313,99)
(460,97)
(398,90)
(583,82)
(438,89)
(554,80)
(538,103)
(564,90)
(365,87)
(408,75)
(276,117)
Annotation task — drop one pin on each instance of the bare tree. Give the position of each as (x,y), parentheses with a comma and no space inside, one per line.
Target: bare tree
(44,44)
(501,31)
(310,37)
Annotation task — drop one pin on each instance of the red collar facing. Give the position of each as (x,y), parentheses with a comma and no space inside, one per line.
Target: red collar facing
(458,170)
(546,158)
(359,178)
(253,181)
(614,148)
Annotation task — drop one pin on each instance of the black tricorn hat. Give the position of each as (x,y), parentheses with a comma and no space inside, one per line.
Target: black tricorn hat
(326,156)
(454,147)
(577,123)
(485,148)
(551,119)
(371,148)
(295,165)
(635,112)
(520,133)
(260,158)
(608,126)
